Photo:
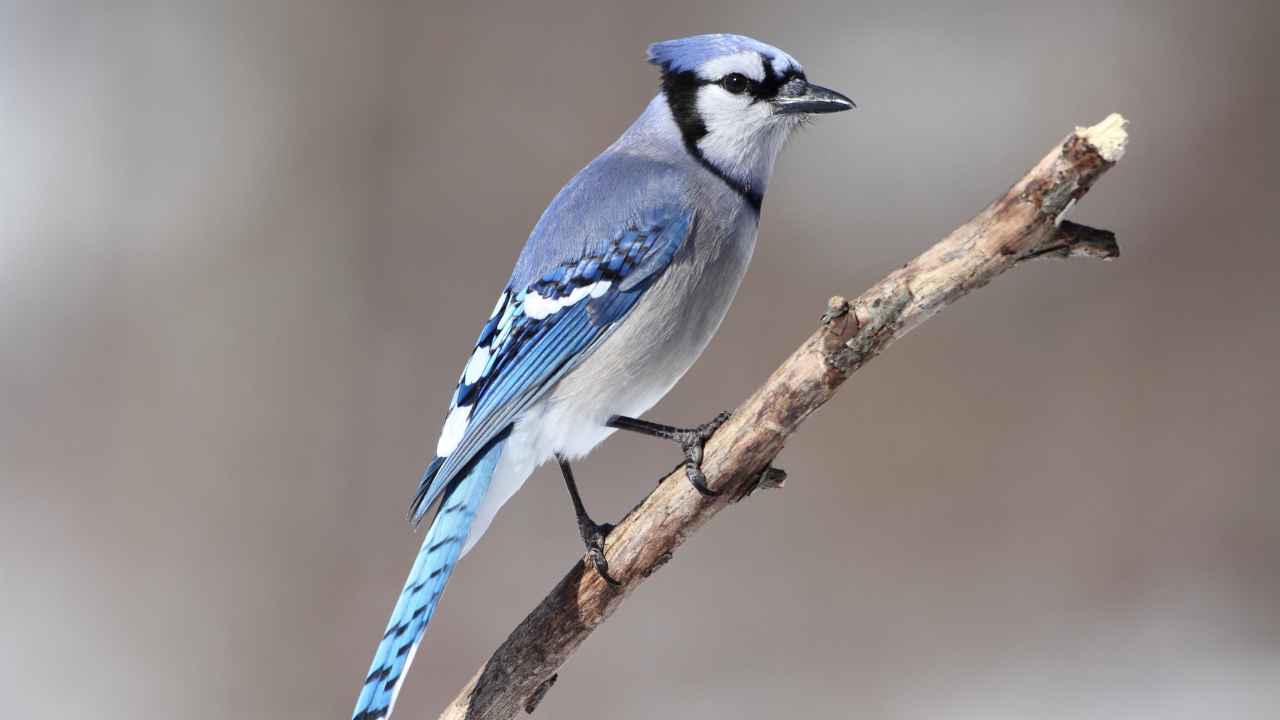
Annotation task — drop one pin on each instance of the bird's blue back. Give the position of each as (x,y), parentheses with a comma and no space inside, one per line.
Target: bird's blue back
(617,189)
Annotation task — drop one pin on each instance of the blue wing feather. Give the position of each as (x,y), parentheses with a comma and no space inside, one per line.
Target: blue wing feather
(544,329)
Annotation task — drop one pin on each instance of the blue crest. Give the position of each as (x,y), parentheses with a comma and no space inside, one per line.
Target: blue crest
(687,54)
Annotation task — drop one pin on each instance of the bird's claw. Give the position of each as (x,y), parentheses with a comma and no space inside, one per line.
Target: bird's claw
(698,480)
(693,441)
(594,537)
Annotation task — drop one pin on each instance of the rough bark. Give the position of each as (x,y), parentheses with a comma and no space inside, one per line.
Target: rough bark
(1023,224)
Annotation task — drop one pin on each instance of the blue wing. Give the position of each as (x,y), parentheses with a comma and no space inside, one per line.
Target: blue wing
(542,330)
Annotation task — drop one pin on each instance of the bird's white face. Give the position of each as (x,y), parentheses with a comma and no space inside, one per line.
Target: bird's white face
(744,128)
(736,110)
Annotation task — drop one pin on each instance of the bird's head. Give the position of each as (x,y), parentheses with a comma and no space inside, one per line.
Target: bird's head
(736,100)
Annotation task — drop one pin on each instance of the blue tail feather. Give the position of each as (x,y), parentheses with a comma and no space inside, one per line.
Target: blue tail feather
(422,589)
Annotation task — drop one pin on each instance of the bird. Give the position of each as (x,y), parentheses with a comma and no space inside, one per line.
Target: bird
(622,284)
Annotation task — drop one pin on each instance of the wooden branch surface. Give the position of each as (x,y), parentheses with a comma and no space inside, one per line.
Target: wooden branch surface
(1023,224)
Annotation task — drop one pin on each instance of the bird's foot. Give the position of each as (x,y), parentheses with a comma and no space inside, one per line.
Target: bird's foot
(593,536)
(692,441)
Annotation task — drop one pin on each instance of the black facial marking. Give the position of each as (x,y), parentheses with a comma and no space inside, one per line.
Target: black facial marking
(767,88)
(681,89)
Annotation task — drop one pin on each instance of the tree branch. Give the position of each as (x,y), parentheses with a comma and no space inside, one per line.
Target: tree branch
(1025,223)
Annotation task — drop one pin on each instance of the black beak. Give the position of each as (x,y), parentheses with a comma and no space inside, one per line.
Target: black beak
(801,96)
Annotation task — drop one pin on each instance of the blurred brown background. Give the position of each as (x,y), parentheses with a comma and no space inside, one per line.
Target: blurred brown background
(245,247)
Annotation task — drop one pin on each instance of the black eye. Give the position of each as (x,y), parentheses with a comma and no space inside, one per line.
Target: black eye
(735,83)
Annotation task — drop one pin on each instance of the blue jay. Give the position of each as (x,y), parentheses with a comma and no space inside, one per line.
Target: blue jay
(621,285)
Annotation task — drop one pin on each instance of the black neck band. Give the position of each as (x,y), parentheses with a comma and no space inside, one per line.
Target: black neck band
(681,89)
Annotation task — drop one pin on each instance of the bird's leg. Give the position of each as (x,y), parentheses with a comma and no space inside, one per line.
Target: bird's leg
(593,535)
(691,441)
